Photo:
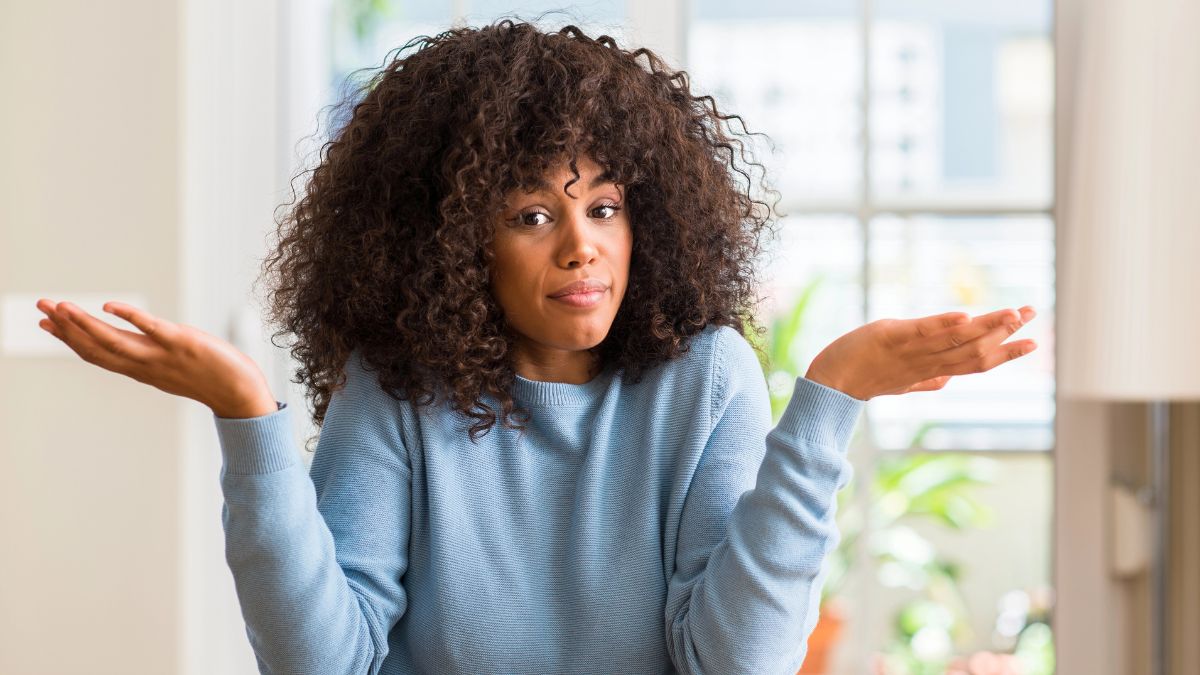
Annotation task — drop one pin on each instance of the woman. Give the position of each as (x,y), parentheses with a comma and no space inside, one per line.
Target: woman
(520,280)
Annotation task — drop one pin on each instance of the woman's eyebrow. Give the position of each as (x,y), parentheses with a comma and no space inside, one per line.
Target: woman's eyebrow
(544,185)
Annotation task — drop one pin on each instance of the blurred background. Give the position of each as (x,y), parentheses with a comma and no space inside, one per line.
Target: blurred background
(923,151)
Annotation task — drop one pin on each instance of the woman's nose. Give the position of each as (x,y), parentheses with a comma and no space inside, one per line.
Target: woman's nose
(577,247)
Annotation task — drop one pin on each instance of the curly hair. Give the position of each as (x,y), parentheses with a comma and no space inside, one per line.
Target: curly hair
(388,254)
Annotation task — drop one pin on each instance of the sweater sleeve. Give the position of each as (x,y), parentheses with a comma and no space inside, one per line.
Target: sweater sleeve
(317,557)
(757,522)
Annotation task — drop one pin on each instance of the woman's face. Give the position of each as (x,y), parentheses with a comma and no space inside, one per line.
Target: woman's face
(548,239)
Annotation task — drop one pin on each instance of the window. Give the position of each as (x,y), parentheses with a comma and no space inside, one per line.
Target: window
(913,151)
(364,32)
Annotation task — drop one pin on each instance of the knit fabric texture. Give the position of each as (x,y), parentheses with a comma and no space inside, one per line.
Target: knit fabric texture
(662,526)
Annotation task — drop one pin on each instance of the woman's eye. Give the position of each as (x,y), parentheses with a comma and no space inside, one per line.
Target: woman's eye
(529,219)
(524,218)
(611,207)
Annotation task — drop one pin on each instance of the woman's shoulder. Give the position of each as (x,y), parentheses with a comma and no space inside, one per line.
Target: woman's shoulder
(364,391)
(362,380)
(715,348)
(734,364)
(724,346)
(718,359)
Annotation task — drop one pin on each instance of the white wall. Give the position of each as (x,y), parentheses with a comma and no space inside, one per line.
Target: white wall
(89,463)
(141,157)
(231,87)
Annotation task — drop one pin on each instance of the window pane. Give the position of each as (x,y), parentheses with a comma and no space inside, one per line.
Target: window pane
(595,17)
(961,102)
(812,293)
(929,265)
(794,72)
(363,35)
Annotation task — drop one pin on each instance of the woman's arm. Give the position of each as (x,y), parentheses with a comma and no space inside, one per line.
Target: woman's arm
(310,606)
(749,558)
(758,521)
(317,558)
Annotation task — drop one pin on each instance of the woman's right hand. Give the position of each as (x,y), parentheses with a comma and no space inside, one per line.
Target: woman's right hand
(175,358)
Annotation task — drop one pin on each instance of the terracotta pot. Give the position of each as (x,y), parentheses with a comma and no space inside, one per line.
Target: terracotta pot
(824,639)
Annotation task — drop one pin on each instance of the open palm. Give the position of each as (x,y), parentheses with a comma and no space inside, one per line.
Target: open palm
(175,358)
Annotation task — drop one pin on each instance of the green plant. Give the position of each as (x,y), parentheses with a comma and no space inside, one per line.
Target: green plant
(781,365)
(1032,644)
(365,16)
(936,487)
(1035,649)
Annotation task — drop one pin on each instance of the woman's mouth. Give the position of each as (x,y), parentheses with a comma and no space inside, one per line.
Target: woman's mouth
(583,300)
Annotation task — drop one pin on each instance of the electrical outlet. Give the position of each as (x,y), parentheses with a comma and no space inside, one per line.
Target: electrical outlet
(1131,527)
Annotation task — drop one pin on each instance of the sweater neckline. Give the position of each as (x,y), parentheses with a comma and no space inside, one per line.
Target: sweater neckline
(537,392)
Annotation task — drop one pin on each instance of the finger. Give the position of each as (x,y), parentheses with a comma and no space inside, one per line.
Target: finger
(906,330)
(76,338)
(982,325)
(122,344)
(937,323)
(1008,352)
(160,330)
(48,326)
(924,385)
(932,384)
(978,347)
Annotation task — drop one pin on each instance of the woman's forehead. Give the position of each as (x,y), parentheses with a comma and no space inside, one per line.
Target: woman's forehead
(554,184)
(553,179)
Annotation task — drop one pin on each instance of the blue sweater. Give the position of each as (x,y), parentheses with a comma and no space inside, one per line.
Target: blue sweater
(635,528)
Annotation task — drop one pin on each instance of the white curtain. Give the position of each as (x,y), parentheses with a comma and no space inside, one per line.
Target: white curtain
(1129,304)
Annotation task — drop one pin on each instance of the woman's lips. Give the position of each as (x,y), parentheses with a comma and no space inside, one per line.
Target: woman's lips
(589,299)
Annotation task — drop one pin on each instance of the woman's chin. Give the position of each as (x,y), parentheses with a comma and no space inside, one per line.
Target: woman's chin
(582,335)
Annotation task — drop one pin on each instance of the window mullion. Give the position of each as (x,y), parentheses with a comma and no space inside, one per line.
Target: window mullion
(868,211)
(868,453)
(660,26)
(458,12)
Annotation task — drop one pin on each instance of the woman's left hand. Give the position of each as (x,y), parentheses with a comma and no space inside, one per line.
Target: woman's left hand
(897,356)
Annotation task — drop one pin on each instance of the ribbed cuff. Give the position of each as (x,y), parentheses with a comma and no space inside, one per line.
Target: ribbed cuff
(820,414)
(257,445)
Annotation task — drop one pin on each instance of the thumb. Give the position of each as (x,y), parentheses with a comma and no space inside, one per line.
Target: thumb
(932,384)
